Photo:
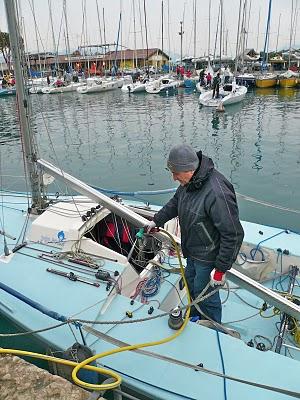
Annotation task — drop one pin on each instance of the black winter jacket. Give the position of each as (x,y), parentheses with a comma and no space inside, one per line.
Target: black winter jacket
(211,231)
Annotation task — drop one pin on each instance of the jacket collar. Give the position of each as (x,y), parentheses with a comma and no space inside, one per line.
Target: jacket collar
(202,173)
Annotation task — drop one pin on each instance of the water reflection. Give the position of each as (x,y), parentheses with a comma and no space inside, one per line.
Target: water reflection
(258,154)
(119,141)
(236,152)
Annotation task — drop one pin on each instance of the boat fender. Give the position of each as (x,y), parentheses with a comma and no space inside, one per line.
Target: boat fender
(77,352)
(175,319)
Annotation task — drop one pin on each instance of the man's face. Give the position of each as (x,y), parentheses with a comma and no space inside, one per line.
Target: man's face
(183,177)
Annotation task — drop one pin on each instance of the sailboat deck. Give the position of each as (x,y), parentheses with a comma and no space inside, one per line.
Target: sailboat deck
(26,273)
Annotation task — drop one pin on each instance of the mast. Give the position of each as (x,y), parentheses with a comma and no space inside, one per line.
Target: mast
(267,35)
(195,27)
(181,38)
(208,44)
(36,34)
(221,30)
(278,33)
(99,24)
(104,37)
(146,35)
(291,35)
(142,33)
(28,144)
(243,33)
(169,43)
(52,31)
(67,32)
(258,25)
(162,25)
(216,35)
(134,37)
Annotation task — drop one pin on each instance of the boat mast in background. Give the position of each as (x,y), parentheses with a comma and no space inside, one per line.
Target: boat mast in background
(67,33)
(28,143)
(195,28)
(146,36)
(53,34)
(265,55)
(278,29)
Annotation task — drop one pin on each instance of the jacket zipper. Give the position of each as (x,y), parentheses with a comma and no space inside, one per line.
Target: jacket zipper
(207,233)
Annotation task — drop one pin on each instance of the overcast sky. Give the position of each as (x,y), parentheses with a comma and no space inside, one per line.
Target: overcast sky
(85,30)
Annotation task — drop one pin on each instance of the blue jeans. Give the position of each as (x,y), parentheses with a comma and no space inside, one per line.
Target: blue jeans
(197,275)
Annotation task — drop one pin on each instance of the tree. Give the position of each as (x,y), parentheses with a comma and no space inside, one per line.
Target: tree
(5,48)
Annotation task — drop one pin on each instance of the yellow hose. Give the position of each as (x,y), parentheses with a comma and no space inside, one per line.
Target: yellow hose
(103,371)
(69,363)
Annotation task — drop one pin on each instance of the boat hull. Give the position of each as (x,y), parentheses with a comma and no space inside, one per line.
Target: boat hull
(7,92)
(134,88)
(266,83)
(197,344)
(226,98)
(288,82)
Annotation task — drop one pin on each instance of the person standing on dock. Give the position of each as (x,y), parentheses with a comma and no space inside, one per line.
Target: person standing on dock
(211,232)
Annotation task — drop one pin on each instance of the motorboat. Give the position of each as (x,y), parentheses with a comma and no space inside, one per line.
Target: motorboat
(96,85)
(137,87)
(162,85)
(65,88)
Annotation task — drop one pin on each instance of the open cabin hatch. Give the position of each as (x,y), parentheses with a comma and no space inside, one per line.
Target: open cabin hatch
(117,234)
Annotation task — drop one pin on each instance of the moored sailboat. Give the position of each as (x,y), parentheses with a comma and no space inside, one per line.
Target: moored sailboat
(288,79)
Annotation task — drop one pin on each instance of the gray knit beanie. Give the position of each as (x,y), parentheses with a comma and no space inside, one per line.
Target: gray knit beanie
(182,158)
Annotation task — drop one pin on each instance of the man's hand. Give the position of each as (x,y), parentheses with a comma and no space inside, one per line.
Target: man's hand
(217,278)
(149,227)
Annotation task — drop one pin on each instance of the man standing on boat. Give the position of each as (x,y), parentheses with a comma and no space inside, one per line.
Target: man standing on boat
(216,86)
(211,232)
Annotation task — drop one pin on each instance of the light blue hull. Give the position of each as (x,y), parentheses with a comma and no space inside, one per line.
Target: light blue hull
(156,378)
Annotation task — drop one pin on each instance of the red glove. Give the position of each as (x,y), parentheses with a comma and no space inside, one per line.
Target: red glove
(217,278)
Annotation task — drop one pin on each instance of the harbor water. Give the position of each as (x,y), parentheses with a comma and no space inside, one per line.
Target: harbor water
(116,141)
(120,141)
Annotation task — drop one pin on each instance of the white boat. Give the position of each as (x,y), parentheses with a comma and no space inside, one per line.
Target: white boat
(85,261)
(228,94)
(95,85)
(37,85)
(162,85)
(71,87)
(124,80)
(246,79)
(137,87)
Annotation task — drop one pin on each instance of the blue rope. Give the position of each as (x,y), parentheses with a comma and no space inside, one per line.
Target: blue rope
(152,285)
(269,238)
(137,193)
(223,365)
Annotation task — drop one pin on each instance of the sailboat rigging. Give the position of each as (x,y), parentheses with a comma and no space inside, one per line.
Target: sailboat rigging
(129,276)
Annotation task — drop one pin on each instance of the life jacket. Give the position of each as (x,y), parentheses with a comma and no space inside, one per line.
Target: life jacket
(116,235)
